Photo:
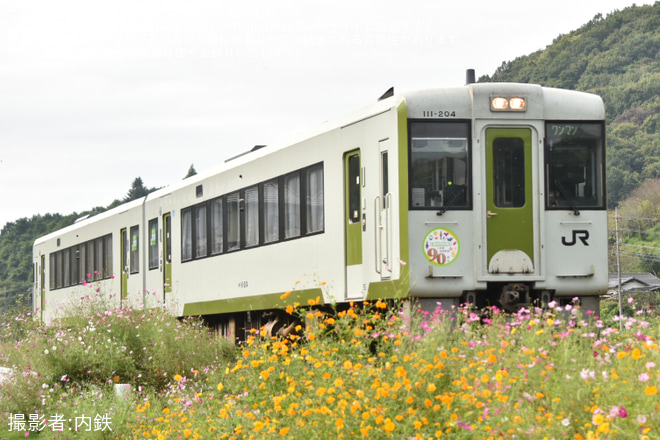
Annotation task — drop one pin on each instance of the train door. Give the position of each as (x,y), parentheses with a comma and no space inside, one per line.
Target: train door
(383,208)
(353,223)
(509,201)
(124,263)
(167,254)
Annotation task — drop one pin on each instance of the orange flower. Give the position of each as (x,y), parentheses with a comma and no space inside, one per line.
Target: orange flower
(285,294)
(651,391)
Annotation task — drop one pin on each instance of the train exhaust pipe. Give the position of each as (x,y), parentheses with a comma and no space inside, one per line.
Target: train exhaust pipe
(470,77)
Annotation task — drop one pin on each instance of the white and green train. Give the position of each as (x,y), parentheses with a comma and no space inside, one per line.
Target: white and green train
(490,193)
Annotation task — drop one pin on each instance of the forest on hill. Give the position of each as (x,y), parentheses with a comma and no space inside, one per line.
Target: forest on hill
(616,57)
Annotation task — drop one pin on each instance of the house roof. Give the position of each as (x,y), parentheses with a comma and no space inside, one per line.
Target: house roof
(646,279)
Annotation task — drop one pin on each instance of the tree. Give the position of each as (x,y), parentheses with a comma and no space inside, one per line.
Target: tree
(191,172)
(138,190)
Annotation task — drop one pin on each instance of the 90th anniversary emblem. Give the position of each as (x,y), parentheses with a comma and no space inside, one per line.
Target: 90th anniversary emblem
(441,246)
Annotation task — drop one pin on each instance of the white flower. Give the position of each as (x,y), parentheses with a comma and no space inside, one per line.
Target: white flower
(46,351)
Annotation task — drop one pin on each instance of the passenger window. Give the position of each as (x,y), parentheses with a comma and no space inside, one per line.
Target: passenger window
(107,262)
(153,244)
(90,276)
(440,165)
(271,211)
(200,231)
(99,259)
(186,235)
(292,205)
(216,225)
(66,260)
(233,222)
(135,249)
(315,199)
(251,197)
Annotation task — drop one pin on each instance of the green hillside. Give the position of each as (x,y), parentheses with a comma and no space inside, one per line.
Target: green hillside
(617,58)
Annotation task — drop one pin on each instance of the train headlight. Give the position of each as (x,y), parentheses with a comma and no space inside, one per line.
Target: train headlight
(517,103)
(499,103)
(507,103)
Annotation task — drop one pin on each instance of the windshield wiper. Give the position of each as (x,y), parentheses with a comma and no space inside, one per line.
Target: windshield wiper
(450,202)
(564,194)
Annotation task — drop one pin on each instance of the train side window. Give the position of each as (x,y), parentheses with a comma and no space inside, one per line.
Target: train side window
(90,261)
(153,244)
(200,231)
(251,205)
(82,261)
(186,235)
(75,266)
(315,199)
(135,249)
(107,261)
(292,205)
(58,270)
(66,267)
(271,211)
(574,165)
(440,165)
(217,240)
(233,220)
(98,269)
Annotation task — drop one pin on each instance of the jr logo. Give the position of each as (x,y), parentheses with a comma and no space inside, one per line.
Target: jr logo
(581,234)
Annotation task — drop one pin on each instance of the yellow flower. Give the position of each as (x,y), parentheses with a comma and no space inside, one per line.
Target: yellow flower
(339,423)
(177,377)
(220,387)
(636,354)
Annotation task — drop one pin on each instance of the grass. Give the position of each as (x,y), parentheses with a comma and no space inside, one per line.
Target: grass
(360,372)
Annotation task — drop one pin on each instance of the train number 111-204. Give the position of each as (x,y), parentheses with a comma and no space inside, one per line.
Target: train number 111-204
(439,113)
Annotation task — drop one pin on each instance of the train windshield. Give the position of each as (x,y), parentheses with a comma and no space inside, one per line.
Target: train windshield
(574,165)
(440,165)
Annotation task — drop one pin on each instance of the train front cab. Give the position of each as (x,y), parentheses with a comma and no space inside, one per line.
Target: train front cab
(507,206)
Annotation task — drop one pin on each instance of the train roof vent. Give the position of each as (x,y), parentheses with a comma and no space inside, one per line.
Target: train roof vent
(255,148)
(388,94)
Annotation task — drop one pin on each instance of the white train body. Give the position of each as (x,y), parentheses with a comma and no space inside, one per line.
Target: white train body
(435,196)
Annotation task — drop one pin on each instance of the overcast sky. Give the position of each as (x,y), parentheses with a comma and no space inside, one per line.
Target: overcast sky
(96,93)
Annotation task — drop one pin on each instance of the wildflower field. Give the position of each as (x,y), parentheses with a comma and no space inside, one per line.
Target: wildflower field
(359,372)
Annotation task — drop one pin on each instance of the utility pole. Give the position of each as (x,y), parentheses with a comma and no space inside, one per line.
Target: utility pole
(618,266)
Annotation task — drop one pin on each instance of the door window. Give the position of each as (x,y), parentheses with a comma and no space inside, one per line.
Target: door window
(509,172)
